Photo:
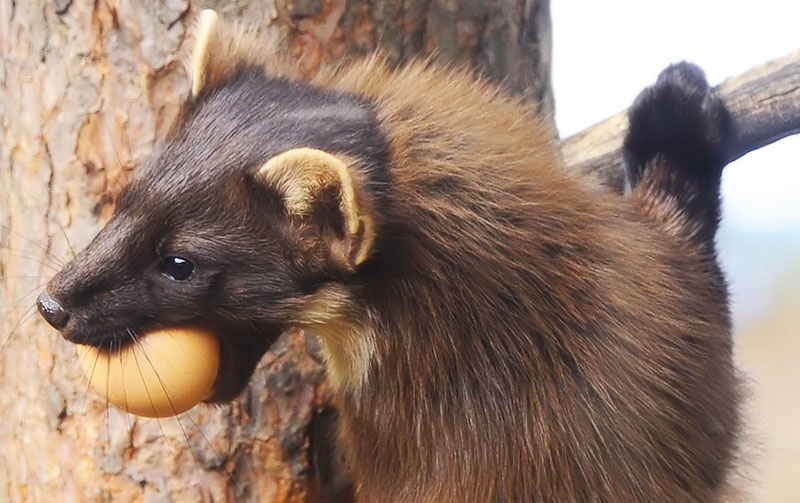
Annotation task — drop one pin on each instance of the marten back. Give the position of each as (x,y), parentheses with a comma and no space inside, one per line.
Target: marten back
(496,329)
(532,339)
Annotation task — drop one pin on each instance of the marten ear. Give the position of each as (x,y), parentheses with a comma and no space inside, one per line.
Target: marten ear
(205,40)
(221,49)
(319,187)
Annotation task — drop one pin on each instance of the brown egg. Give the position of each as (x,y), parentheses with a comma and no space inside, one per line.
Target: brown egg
(164,373)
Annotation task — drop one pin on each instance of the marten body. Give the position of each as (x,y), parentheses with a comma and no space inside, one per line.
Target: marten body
(496,329)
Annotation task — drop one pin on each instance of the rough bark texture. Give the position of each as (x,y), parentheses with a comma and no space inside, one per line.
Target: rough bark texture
(86,87)
(764,103)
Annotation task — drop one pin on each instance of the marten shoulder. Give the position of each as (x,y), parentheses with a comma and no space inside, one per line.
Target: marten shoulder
(496,328)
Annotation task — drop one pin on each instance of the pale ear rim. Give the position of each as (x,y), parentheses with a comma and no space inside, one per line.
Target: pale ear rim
(298,172)
(207,22)
(318,158)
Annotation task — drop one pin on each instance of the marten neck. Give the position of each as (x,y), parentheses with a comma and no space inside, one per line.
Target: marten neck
(454,348)
(443,350)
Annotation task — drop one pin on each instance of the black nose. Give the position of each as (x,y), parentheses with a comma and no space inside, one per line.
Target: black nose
(52,311)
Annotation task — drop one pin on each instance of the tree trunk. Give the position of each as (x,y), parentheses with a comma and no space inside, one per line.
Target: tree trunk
(87,87)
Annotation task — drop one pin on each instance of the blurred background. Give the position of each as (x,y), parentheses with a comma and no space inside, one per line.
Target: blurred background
(604,53)
(86,87)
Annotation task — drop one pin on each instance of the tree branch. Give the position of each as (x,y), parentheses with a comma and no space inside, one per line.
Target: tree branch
(764,103)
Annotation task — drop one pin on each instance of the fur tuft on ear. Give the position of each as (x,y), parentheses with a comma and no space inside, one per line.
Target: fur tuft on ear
(220,49)
(204,42)
(319,186)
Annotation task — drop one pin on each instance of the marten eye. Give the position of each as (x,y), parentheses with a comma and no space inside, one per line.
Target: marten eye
(177,268)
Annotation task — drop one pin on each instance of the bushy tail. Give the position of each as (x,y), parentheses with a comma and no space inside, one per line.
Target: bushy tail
(675,151)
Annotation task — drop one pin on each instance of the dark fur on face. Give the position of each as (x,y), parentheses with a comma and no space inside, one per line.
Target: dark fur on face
(196,198)
(496,329)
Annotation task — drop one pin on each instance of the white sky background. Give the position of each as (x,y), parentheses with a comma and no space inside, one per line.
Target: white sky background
(605,52)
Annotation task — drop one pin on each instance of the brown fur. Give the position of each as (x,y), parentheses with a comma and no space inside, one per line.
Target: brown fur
(518,335)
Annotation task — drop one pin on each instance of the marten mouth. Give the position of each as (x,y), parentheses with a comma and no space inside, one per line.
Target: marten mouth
(240,351)
(240,355)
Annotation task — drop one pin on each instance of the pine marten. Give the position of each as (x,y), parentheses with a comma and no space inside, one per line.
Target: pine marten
(496,329)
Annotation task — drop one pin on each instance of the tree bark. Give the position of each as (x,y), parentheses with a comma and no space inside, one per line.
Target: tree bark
(86,88)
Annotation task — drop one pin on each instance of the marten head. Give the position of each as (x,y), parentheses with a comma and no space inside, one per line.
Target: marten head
(246,210)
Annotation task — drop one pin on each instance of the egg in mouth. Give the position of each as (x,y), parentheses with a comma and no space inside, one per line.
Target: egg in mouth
(163,373)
